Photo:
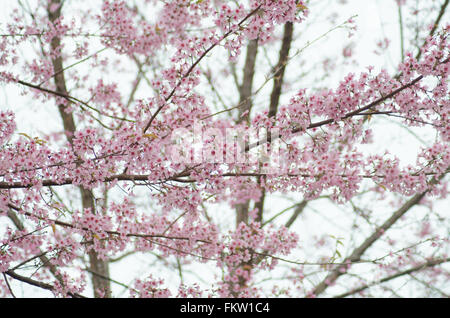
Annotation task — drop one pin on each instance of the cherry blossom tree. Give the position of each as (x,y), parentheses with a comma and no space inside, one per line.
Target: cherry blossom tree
(212,148)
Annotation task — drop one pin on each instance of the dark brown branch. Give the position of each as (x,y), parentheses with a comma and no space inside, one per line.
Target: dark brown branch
(360,250)
(245,106)
(280,68)
(435,25)
(87,197)
(278,77)
(38,283)
(349,114)
(417,268)
(19,225)
(298,210)
(175,178)
(245,89)
(138,235)
(9,287)
(71,99)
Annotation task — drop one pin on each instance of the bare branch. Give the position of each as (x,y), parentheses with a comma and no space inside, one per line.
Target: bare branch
(38,283)
(361,249)
(417,268)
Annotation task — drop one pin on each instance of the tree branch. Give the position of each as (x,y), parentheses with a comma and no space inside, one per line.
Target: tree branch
(280,68)
(417,268)
(360,250)
(87,196)
(38,283)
